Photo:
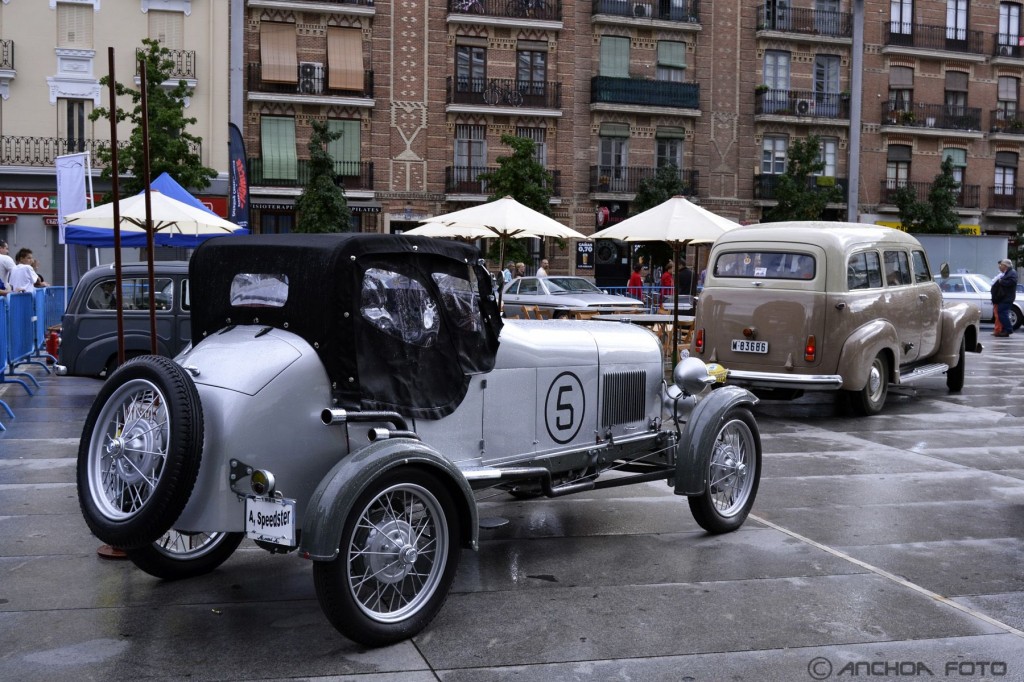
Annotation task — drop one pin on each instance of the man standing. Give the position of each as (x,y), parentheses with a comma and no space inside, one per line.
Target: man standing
(6,262)
(1004,291)
(506,274)
(542,271)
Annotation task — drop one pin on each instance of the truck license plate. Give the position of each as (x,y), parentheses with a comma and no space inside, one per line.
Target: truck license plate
(270,520)
(744,346)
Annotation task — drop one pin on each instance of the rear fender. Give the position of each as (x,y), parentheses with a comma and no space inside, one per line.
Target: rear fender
(860,350)
(331,503)
(92,359)
(699,437)
(958,322)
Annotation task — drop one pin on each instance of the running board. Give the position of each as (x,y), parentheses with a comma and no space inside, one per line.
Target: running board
(923,371)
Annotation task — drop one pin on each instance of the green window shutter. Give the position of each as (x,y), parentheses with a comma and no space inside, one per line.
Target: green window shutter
(277,142)
(672,53)
(670,132)
(345,150)
(959,157)
(615,56)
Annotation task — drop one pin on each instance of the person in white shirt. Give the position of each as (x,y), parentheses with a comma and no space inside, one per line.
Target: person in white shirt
(23,277)
(6,263)
(542,271)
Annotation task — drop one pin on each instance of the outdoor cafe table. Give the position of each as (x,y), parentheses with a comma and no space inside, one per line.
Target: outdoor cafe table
(659,323)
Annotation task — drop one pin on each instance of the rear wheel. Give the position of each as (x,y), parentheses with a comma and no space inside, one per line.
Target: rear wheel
(398,555)
(1016,317)
(733,475)
(955,375)
(870,399)
(177,555)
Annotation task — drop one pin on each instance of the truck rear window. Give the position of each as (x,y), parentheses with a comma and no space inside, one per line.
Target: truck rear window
(765,265)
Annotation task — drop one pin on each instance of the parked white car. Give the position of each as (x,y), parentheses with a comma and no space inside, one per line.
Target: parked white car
(976,290)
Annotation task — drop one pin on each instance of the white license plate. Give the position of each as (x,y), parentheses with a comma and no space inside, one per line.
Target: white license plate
(744,346)
(270,520)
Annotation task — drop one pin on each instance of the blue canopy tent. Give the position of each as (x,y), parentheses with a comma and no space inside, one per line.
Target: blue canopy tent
(100,237)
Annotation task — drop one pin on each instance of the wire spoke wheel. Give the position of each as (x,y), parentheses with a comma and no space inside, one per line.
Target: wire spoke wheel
(177,554)
(733,474)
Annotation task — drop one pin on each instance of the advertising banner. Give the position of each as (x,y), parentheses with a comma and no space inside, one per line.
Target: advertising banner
(238,193)
(71,192)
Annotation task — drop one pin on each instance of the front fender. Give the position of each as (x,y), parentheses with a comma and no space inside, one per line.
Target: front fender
(331,503)
(699,437)
(860,350)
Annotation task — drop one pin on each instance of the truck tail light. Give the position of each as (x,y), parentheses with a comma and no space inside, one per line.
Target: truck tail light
(810,349)
(698,342)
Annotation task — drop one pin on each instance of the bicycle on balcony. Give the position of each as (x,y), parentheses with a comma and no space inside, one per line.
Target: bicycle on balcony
(468,6)
(525,8)
(500,93)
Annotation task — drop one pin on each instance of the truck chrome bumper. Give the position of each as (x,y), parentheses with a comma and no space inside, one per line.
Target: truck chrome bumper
(805,382)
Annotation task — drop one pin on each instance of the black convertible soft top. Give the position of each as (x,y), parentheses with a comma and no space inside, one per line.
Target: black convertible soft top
(399,322)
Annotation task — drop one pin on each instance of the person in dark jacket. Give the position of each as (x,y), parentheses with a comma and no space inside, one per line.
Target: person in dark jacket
(1004,291)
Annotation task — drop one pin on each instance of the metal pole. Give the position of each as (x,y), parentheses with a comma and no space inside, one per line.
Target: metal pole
(149,207)
(118,297)
(856,101)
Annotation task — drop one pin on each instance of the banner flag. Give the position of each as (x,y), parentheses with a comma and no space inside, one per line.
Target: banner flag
(71,193)
(238,197)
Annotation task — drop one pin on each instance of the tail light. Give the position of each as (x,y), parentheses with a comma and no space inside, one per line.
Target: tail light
(698,342)
(810,349)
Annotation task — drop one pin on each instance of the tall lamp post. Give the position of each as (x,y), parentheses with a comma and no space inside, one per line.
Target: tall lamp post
(856,95)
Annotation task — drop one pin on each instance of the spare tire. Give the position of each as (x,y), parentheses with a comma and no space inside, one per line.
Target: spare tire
(139,455)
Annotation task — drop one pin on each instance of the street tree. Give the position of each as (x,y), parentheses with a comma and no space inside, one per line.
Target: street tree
(322,206)
(936,215)
(800,193)
(172,148)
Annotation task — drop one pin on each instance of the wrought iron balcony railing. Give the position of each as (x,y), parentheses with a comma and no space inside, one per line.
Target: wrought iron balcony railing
(541,10)
(643,92)
(969,196)
(1006,121)
(948,116)
(6,54)
(184,63)
(504,92)
(627,179)
(685,11)
(350,175)
(801,103)
(765,186)
(17,150)
(311,79)
(1006,198)
(1008,45)
(814,22)
(908,34)
(466,180)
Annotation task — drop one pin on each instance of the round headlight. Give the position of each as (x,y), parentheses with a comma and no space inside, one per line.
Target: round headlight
(262,482)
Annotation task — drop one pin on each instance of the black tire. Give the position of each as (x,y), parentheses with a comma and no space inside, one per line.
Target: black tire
(140,451)
(491,96)
(401,505)
(176,556)
(733,475)
(871,399)
(955,375)
(112,365)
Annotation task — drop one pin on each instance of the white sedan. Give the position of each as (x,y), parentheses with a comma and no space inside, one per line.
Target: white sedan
(976,289)
(560,296)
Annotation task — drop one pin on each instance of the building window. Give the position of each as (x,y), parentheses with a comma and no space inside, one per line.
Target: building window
(470,68)
(279,63)
(531,71)
(828,152)
(897,166)
(669,146)
(956,92)
(1007,97)
(470,156)
(73,122)
(671,61)
(827,17)
(613,155)
(1006,174)
(901,88)
(74,25)
(959,158)
(956,20)
(826,85)
(777,15)
(776,78)
(773,154)
(540,145)
(276,222)
(901,17)
(346,149)
(614,57)
(167,28)
(277,148)
(1009,29)
(345,59)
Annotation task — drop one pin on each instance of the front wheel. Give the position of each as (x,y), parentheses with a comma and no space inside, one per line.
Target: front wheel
(398,555)
(955,375)
(870,399)
(177,555)
(733,475)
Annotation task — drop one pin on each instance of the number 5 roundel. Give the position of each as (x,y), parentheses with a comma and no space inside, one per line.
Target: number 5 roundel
(564,408)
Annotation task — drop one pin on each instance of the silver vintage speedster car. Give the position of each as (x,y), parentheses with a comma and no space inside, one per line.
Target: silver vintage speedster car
(345,396)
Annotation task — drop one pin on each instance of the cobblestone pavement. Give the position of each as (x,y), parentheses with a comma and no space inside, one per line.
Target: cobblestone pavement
(883,547)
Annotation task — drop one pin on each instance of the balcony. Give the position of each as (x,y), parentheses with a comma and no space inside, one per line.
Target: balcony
(311,83)
(183,65)
(465,180)
(349,175)
(969,196)
(919,38)
(679,11)
(1003,122)
(806,22)
(626,179)
(644,93)
(483,94)
(766,185)
(1006,199)
(1008,49)
(41,151)
(507,12)
(925,117)
(802,103)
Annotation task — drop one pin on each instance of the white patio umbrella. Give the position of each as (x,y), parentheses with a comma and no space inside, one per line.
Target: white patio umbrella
(503,219)
(169,216)
(677,221)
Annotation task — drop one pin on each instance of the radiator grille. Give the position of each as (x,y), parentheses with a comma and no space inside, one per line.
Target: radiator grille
(623,397)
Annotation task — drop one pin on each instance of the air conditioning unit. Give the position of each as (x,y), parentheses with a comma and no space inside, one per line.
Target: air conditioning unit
(311,78)
(1005,51)
(804,106)
(641,9)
